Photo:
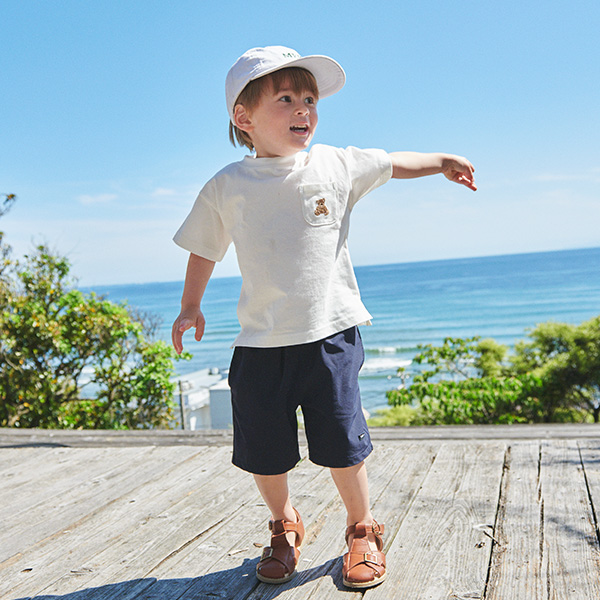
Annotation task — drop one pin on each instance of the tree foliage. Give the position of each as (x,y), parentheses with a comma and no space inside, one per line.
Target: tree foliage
(464,381)
(552,376)
(75,360)
(567,359)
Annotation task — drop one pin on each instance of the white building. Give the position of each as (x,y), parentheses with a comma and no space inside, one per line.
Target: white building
(204,399)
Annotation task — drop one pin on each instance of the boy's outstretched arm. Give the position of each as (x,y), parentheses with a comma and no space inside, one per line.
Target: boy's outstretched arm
(407,165)
(197,275)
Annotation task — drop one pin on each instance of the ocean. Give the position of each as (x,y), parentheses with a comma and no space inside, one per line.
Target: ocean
(412,303)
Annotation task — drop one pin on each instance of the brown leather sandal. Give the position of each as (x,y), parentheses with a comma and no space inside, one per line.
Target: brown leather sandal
(278,561)
(363,567)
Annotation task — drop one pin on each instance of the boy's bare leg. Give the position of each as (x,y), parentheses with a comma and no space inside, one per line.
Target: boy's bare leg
(275,492)
(353,486)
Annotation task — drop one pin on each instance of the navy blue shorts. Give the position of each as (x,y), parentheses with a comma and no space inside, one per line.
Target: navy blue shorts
(268,385)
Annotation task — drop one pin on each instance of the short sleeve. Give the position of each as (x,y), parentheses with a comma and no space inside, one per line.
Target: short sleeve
(367,169)
(203,232)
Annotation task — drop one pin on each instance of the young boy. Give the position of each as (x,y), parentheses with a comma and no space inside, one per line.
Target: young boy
(287,212)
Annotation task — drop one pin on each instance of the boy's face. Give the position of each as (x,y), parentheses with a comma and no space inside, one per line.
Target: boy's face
(282,123)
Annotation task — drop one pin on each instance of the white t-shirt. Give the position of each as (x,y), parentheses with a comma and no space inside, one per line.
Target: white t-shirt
(288,218)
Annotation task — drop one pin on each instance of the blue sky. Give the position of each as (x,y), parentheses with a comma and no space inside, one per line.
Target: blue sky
(112,117)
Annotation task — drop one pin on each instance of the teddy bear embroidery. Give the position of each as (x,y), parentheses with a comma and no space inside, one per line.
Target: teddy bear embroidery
(321,208)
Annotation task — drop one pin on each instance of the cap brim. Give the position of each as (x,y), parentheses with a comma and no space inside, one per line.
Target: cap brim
(328,73)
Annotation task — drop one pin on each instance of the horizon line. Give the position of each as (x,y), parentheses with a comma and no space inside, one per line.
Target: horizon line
(361,266)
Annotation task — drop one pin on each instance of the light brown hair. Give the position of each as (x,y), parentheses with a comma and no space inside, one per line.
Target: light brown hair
(298,79)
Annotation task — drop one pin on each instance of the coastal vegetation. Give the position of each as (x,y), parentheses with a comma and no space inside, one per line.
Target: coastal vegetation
(551,376)
(75,360)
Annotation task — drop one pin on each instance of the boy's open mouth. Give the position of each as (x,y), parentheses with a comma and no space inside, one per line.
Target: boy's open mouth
(299,128)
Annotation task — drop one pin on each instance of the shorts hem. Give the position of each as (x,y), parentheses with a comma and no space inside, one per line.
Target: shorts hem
(262,470)
(354,460)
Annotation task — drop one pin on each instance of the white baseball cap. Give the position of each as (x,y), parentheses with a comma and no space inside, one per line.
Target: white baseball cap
(257,62)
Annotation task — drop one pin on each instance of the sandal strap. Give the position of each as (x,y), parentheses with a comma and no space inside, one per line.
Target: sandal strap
(279,554)
(280,527)
(374,560)
(366,528)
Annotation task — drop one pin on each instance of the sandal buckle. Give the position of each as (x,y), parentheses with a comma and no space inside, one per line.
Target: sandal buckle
(267,553)
(370,558)
(376,529)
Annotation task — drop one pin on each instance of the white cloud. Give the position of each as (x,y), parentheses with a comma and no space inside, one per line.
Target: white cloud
(592,176)
(183,196)
(88,199)
(164,192)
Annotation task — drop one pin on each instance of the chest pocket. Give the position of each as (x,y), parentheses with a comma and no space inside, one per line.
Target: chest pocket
(320,203)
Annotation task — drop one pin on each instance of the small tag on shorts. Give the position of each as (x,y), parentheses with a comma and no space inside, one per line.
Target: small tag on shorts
(361,436)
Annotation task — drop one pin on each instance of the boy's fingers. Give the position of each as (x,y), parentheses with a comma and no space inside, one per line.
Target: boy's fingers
(185,325)
(180,327)
(468,183)
(199,330)
(177,334)
(469,180)
(177,343)
(464,178)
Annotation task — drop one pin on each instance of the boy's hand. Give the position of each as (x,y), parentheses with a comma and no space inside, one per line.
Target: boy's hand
(184,322)
(459,170)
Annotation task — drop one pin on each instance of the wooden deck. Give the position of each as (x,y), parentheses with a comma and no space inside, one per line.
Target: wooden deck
(470,513)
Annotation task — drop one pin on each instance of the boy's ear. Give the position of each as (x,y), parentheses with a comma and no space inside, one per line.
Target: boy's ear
(241,118)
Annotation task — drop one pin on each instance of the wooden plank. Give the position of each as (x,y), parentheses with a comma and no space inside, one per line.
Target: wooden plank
(54,468)
(94,438)
(131,552)
(130,558)
(516,563)
(590,457)
(83,494)
(131,507)
(47,464)
(13,458)
(441,549)
(571,562)
(46,480)
(27,519)
(516,431)
(88,484)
